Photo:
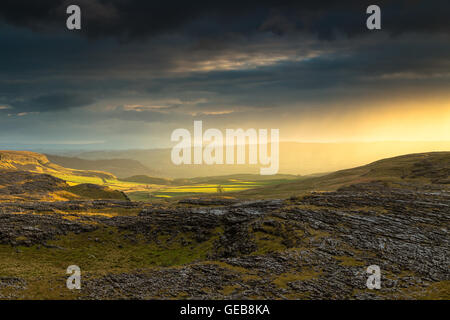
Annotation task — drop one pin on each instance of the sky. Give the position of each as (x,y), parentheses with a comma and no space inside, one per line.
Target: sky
(138,70)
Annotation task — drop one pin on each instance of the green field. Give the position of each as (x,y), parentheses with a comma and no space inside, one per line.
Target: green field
(227,185)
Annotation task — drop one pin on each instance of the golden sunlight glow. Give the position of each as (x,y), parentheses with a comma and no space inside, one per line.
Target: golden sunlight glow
(422,120)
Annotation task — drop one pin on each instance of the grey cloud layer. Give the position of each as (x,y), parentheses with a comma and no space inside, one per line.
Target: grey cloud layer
(219,61)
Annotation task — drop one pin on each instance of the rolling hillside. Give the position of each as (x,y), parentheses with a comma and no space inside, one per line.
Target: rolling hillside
(420,168)
(101,185)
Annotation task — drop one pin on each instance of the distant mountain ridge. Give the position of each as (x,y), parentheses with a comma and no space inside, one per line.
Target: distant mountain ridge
(295,158)
(119,167)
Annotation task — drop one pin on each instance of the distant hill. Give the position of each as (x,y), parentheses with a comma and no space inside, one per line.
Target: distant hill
(119,167)
(420,168)
(39,163)
(295,158)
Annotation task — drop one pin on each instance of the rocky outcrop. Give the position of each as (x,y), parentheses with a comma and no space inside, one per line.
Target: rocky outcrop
(23,182)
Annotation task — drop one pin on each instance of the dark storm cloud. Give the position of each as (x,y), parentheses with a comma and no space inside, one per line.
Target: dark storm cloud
(136,19)
(170,63)
(49,103)
(132,75)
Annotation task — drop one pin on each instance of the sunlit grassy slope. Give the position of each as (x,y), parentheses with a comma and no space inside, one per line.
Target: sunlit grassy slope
(38,163)
(413,168)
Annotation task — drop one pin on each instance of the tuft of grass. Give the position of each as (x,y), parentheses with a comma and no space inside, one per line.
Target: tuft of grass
(284,279)
(227,290)
(267,243)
